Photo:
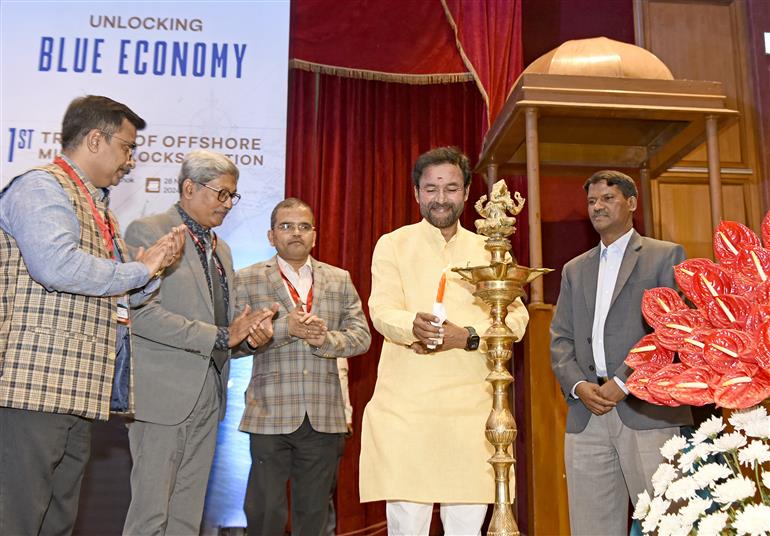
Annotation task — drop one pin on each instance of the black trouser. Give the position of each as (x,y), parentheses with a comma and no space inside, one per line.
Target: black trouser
(308,459)
(331,517)
(42,460)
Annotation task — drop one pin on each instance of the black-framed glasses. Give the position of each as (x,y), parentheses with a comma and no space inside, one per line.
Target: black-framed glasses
(129,146)
(286,226)
(224,195)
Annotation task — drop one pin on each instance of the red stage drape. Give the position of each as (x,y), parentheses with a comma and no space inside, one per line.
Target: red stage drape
(351,141)
(413,42)
(489,37)
(398,37)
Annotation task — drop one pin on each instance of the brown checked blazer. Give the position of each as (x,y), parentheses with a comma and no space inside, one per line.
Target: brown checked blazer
(57,350)
(289,377)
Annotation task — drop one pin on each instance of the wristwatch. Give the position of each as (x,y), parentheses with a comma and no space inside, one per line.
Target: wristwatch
(472,343)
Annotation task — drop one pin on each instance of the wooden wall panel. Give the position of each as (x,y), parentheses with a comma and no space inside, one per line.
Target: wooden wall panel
(683,207)
(758,23)
(545,422)
(705,40)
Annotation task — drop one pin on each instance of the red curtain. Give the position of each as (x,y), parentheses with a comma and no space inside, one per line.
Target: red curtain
(400,37)
(413,42)
(489,36)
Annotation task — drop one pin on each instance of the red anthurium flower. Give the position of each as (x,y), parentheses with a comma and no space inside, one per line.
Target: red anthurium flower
(684,274)
(638,381)
(762,354)
(649,352)
(728,311)
(662,381)
(766,230)
(726,348)
(709,282)
(723,344)
(745,286)
(754,264)
(678,325)
(759,314)
(691,350)
(738,389)
(760,294)
(730,238)
(693,386)
(657,302)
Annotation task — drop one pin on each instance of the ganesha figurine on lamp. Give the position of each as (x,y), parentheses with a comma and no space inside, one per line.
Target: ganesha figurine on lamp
(498,284)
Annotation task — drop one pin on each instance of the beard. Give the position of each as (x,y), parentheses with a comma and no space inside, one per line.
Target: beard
(446,219)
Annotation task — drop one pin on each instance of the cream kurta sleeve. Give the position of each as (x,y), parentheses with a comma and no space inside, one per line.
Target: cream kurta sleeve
(517,318)
(387,304)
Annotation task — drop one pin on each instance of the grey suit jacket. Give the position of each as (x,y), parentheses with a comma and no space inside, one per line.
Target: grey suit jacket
(174,332)
(289,377)
(647,263)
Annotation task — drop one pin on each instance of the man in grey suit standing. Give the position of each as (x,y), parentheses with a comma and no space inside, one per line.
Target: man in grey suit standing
(613,439)
(294,410)
(182,343)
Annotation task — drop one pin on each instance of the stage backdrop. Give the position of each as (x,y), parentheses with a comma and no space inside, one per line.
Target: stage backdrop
(209,75)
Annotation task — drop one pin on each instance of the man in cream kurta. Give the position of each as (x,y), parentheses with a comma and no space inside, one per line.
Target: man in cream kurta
(423,430)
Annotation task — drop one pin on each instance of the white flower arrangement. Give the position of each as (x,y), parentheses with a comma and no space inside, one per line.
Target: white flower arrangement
(713,483)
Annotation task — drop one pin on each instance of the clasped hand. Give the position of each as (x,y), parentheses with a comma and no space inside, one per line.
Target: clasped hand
(308,326)
(599,399)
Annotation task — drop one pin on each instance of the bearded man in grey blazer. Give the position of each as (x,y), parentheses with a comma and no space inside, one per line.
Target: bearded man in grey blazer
(613,438)
(182,341)
(294,410)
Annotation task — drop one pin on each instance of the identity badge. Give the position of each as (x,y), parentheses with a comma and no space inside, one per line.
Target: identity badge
(123,314)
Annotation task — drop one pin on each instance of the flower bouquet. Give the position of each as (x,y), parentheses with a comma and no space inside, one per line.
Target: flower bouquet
(716,352)
(723,344)
(700,488)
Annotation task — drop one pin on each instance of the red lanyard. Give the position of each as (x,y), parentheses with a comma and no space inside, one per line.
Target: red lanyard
(295,294)
(202,248)
(104,226)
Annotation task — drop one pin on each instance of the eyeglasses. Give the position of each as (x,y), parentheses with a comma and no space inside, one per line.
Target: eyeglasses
(129,146)
(286,227)
(223,195)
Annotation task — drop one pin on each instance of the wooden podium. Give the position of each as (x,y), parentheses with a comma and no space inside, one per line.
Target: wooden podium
(565,123)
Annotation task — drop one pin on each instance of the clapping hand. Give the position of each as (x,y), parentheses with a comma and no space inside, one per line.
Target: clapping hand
(262,331)
(164,252)
(257,325)
(307,326)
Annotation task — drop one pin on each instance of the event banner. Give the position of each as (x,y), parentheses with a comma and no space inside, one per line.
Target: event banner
(204,75)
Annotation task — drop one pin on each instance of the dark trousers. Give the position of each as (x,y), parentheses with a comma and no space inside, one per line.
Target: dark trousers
(306,458)
(331,517)
(42,460)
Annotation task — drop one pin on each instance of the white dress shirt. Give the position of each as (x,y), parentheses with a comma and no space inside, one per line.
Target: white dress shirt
(609,265)
(302,279)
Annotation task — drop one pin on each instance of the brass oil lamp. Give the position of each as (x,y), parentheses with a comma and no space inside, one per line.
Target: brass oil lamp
(498,284)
